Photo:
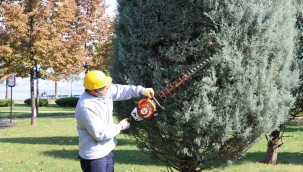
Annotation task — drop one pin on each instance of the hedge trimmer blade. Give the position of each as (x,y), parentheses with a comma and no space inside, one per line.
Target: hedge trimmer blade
(147,107)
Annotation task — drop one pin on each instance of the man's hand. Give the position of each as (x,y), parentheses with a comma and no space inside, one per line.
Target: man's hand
(148,92)
(124,124)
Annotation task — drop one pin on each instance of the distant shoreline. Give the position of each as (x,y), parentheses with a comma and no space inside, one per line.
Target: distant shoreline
(22,89)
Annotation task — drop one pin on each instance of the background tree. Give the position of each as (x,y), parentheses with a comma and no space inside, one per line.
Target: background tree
(103,52)
(93,28)
(298,107)
(88,39)
(32,36)
(3,70)
(244,92)
(274,140)
(57,36)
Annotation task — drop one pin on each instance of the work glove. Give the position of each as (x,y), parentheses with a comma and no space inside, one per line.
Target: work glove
(148,92)
(124,124)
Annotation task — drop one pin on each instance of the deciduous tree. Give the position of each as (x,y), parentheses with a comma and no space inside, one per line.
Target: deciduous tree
(94,28)
(33,35)
(58,37)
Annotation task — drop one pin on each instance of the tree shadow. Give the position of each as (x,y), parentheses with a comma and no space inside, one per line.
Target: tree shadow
(55,140)
(121,156)
(63,154)
(134,157)
(294,158)
(294,129)
(125,141)
(21,105)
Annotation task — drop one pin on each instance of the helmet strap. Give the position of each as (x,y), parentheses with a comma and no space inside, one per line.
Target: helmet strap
(101,94)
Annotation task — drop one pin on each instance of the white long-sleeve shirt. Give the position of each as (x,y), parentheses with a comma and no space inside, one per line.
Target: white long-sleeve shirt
(95,123)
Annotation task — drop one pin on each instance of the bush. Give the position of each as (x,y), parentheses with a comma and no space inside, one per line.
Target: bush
(6,102)
(69,101)
(42,102)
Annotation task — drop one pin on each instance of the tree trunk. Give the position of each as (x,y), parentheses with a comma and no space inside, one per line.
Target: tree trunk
(37,94)
(33,102)
(56,89)
(188,164)
(273,147)
(71,86)
(7,96)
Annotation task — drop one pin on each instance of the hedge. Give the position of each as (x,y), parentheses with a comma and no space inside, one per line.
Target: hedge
(6,102)
(69,101)
(42,102)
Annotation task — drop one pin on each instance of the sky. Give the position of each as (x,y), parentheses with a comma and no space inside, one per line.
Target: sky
(112,6)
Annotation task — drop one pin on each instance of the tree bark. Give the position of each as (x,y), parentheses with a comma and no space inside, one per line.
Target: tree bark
(71,86)
(56,89)
(33,101)
(37,96)
(273,143)
(188,164)
(7,95)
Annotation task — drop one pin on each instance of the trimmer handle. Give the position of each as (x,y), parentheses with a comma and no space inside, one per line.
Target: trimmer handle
(130,119)
(157,102)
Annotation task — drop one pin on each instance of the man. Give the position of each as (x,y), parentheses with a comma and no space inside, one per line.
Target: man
(94,116)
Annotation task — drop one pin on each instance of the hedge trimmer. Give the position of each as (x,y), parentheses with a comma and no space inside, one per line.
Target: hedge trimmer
(147,107)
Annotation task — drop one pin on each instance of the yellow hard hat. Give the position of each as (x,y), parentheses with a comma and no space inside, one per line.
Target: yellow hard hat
(96,79)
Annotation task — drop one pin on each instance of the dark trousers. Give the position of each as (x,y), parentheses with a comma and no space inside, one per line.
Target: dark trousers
(104,164)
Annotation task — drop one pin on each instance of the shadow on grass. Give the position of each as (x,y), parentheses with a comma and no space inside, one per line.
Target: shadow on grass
(55,140)
(283,158)
(294,129)
(25,105)
(63,154)
(121,156)
(134,157)
(59,140)
(20,115)
(125,141)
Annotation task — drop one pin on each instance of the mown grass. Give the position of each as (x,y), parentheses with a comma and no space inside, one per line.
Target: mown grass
(52,145)
(19,115)
(50,107)
(290,157)
(21,110)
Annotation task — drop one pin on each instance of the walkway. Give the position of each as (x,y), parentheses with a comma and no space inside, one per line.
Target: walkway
(4,123)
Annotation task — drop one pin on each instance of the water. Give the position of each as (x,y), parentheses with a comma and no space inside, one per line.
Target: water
(22,89)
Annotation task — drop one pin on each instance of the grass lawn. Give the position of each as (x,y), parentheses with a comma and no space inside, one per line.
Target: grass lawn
(50,107)
(21,110)
(52,145)
(290,157)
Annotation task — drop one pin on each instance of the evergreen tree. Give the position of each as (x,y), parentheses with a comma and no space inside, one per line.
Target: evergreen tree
(243,93)
(274,139)
(298,108)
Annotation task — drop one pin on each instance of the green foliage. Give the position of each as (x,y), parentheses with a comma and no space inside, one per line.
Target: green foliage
(42,102)
(298,108)
(242,94)
(69,101)
(6,102)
